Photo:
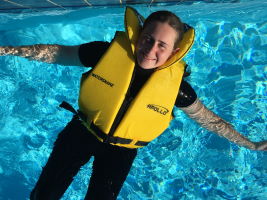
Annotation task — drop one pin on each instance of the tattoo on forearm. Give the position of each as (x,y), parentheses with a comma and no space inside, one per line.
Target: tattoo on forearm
(214,123)
(44,53)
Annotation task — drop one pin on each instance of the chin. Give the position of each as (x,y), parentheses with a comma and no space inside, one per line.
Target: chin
(147,65)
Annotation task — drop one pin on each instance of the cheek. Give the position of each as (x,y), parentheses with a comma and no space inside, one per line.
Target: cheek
(164,57)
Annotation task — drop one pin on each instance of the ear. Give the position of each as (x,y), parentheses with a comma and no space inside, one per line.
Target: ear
(175,51)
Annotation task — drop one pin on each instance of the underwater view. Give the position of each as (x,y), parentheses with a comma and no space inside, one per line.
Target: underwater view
(228,64)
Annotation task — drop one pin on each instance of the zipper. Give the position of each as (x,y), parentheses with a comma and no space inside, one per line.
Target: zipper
(125,104)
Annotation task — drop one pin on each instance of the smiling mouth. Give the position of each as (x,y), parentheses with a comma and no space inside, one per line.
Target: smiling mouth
(147,58)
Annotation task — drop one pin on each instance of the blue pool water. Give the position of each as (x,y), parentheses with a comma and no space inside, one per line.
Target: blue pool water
(229,70)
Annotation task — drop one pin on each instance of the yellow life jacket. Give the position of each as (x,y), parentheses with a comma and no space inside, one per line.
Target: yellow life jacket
(103,91)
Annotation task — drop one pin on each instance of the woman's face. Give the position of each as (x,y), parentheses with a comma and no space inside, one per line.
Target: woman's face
(155,45)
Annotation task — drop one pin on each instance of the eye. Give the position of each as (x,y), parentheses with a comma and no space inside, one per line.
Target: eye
(162,46)
(148,39)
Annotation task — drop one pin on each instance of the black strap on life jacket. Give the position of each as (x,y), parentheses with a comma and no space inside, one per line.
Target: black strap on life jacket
(113,139)
(106,138)
(70,108)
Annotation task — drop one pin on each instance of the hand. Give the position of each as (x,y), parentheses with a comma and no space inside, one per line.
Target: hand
(4,50)
(261,146)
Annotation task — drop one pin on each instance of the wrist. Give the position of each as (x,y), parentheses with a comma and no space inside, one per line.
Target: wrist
(252,146)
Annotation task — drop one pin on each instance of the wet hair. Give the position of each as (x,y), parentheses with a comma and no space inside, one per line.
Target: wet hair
(170,18)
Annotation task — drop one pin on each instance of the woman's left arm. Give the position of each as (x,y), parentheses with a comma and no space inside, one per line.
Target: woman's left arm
(214,123)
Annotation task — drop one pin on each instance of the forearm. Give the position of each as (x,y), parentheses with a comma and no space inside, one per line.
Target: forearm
(39,52)
(214,123)
(64,55)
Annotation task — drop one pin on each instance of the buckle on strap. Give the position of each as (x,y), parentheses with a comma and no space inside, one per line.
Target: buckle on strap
(109,139)
(115,140)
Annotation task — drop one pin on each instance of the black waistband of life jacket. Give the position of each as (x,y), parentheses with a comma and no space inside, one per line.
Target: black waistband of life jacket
(112,139)
(106,138)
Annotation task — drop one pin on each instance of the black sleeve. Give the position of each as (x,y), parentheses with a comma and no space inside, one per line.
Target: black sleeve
(186,95)
(90,53)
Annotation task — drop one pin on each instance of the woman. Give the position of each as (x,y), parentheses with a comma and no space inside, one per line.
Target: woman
(137,68)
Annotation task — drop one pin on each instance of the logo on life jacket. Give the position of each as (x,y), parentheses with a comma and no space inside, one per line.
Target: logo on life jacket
(102,79)
(158,109)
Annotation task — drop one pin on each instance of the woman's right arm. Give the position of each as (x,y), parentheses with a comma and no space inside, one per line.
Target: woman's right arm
(188,102)
(85,55)
(57,54)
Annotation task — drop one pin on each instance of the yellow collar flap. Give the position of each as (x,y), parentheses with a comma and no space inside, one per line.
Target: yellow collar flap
(185,45)
(133,23)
